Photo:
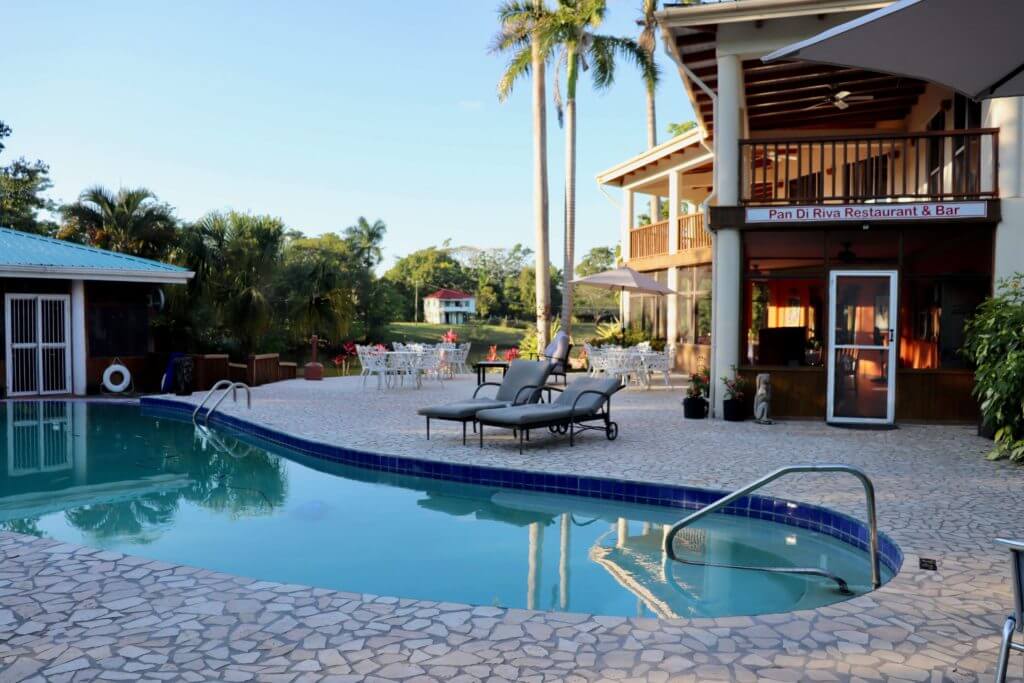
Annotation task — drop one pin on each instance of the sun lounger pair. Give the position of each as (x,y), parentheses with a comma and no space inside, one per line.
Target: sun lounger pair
(516,405)
(521,385)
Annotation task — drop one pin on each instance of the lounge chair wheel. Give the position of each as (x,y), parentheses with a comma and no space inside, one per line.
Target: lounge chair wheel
(562,429)
(612,431)
(553,429)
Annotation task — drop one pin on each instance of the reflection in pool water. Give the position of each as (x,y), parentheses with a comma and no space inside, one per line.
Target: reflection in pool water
(109,476)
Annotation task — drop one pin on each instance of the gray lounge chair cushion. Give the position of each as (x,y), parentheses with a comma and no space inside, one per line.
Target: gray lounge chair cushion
(461,410)
(519,416)
(588,403)
(558,351)
(523,373)
(561,409)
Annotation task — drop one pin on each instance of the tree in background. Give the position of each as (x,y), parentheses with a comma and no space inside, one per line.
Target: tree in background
(375,298)
(22,184)
(130,221)
(648,41)
(313,289)
(595,301)
(425,271)
(521,36)
(677,129)
(571,27)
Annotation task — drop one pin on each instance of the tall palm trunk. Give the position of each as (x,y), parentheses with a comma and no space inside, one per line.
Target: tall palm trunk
(570,189)
(542,280)
(652,141)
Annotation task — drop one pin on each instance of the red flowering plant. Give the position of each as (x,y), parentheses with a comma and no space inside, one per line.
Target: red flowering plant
(735,386)
(450,337)
(700,381)
(512,354)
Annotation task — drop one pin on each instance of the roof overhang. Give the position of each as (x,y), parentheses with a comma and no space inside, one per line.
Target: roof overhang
(93,274)
(617,174)
(680,16)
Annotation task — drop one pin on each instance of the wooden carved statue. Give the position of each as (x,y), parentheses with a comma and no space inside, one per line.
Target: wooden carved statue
(763,399)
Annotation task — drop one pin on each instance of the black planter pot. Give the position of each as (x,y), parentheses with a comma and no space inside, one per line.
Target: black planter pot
(695,407)
(734,410)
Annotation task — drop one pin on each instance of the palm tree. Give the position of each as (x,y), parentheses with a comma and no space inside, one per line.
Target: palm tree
(364,239)
(519,35)
(571,27)
(648,41)
(131,221)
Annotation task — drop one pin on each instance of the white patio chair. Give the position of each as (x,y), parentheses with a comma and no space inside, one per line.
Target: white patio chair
(658,361)
(430,363)
(597,359)
(374,362)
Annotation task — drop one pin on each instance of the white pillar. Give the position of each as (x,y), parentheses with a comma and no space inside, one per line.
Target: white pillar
(78,379)
(626,226)
(672,307)
(1007,114)
(726,333)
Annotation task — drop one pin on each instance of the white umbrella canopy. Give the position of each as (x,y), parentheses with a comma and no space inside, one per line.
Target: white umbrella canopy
(624,279)
(972,46)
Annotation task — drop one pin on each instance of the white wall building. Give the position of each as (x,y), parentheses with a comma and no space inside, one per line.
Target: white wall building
(449,307)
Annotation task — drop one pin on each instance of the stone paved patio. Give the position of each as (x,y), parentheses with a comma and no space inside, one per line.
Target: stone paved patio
(69,613)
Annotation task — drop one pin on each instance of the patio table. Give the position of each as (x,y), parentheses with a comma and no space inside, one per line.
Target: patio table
(483,366)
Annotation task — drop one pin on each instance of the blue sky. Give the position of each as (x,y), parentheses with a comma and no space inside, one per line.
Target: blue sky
(317,112)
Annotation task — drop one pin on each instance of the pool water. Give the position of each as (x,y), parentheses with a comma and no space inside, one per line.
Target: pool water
(109,476)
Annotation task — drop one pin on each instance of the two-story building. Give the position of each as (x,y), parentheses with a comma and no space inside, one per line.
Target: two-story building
(449,307)
(831,226)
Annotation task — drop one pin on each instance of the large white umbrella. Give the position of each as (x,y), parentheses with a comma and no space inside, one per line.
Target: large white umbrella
(972,46)
(624,280)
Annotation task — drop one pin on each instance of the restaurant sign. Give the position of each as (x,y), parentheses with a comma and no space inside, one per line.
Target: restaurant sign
(867,213)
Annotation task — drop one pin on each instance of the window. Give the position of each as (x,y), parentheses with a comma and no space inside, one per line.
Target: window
(693,285)
(784,297)
(649,312)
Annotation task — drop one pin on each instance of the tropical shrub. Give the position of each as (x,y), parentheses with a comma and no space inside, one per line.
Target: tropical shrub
(700,382)
(995,344)
(735,386)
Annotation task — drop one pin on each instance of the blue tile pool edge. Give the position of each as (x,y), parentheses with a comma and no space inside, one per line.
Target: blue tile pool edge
(781,511)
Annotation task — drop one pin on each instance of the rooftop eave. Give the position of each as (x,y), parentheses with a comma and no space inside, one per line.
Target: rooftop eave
(653,155)
(97,274)
(681,16)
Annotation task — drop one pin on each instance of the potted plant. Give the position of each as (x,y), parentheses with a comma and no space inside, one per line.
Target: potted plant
(734,408)
(695,405)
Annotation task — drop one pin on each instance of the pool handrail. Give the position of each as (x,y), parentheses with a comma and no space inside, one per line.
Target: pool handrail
(217,385)
(869,493)
(233,388)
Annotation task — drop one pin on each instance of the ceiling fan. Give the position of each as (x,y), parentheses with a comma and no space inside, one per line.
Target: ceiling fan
(840,99)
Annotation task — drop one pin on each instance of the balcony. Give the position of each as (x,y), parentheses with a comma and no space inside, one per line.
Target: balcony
(653,240)
(878,168)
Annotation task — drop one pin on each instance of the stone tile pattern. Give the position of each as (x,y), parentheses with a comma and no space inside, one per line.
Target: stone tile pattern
(70,613)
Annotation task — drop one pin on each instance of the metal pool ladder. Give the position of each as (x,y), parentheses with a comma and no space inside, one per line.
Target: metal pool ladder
(228,386)
(869,493)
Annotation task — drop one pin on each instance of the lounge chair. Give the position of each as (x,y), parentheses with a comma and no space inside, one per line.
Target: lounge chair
(558,353)
(584,401)
(521,384)
(1015,622)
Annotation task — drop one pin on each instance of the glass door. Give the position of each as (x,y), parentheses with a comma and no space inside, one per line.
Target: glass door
(862,346)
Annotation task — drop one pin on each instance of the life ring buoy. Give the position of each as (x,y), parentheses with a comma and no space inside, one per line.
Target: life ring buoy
(108,378)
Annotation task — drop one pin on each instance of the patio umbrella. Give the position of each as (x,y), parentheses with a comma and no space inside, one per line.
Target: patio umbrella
(972,47)
(624,280)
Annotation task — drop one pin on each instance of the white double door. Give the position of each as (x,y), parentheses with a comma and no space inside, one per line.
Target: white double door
(38,344)
(862,346)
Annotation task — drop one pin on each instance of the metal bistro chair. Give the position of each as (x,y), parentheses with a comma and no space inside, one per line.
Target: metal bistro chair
(1014,622)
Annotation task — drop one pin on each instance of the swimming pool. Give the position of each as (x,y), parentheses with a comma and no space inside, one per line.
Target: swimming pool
(143,482)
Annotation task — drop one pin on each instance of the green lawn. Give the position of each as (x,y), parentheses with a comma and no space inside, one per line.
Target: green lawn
(482,336)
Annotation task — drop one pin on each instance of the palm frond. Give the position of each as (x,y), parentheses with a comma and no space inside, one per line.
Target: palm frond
(519,67)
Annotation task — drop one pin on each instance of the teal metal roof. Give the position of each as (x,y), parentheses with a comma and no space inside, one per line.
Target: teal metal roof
(27,255)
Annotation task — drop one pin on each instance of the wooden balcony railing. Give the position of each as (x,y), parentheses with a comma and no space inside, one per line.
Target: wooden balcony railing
(692,234)
(652,240)
(649,240)
(885,167)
